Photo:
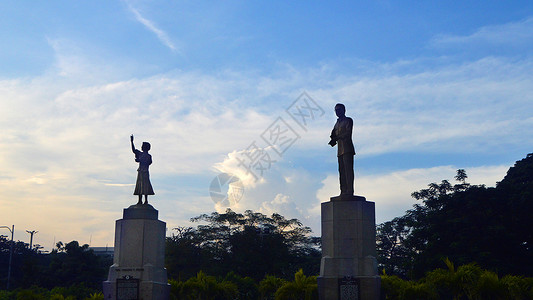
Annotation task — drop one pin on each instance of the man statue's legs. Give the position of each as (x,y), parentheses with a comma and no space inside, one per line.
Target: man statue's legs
(342,174)
(348,166)
(346,174)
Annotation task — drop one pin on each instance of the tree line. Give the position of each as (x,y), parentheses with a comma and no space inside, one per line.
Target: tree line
(466,223)
(250,244)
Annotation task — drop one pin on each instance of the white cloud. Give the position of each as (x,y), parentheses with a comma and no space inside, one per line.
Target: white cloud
(392,191)
(161,35)
(437,109)
(509,35)
(280,203)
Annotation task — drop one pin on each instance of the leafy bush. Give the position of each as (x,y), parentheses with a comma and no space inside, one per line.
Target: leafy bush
(74,292)
(269,285)
(303,287)
(467,282)
(247,287)
(203,287)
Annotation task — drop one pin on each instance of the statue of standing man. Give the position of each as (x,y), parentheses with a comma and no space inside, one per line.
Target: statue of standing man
(341,135)
(143,185)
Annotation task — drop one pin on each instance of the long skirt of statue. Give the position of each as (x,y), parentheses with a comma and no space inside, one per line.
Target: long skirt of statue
(143,185)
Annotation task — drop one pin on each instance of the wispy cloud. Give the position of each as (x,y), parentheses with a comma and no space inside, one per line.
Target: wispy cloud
(509,34)
(161,35)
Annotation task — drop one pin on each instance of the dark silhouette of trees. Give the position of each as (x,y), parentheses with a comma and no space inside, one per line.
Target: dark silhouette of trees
(466,223)
(249,244)
(24,263)
(75,264)
(67,265)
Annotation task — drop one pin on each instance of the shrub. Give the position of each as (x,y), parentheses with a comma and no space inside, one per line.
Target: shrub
(247,287)
(203,287)
(269,285)
(517,287)
(95,296)
(467,282)
(302,287)
(417,290)
(391,286)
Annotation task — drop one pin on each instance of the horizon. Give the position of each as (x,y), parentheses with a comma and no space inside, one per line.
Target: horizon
(431,87)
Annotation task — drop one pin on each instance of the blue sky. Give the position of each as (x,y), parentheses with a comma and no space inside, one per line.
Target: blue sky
(432,86)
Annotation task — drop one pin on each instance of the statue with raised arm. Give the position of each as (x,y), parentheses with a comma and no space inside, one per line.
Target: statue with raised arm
(341,135)
(143,185)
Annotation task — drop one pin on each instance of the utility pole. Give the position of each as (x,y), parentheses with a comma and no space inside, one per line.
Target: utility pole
(12,229)
(31,236)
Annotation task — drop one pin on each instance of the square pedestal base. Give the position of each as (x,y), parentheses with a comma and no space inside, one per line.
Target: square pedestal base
(348,268)
(138,270)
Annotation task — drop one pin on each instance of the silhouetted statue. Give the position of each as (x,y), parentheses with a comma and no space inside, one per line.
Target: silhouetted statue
(143,185)
(341,135)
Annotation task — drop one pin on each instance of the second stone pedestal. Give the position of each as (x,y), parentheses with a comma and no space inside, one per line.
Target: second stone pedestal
(348,269)
(138,270)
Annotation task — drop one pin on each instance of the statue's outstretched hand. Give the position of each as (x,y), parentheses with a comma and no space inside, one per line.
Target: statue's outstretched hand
(131,138)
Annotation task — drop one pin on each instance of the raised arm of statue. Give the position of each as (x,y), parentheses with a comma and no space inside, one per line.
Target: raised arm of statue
(132,146)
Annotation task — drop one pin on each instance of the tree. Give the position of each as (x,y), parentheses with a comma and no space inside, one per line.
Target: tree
(66,266)
(467,223)
(391,247)
(72,263)
(184,254)
(250,244)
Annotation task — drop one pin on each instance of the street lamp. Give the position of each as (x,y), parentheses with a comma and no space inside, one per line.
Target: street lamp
(31,236)
(12,229)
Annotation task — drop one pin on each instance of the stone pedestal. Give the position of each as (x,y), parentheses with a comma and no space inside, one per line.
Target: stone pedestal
(348,269)
(138,270)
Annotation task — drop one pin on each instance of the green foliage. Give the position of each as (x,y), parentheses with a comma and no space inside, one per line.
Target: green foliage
(466,282)
(303,287)
(269,285)
(67,265)
(74,292)
(34,293)
(467,223)
(418,290)
(203,287)
(73,264)
(393,254)
(233,286)
(95,296)
(227,242)
(247,287)
(61,297)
